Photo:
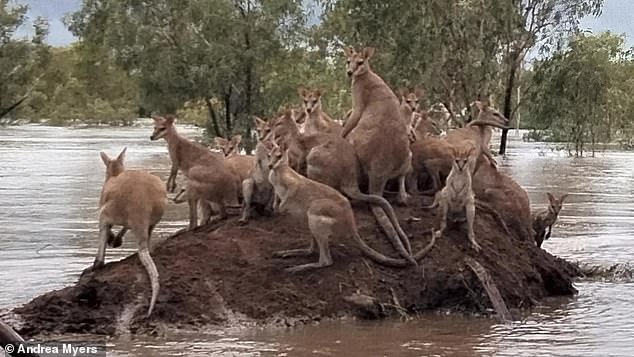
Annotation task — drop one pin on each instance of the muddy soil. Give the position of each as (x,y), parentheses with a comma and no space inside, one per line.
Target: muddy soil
(226,275)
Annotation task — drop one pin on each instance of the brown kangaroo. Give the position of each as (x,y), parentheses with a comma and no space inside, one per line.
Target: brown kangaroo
(546,218)
(208,179)
(316,120)
(325,211)
(456,200)
(330,159)
(134,200)
(257,188)
(376,116)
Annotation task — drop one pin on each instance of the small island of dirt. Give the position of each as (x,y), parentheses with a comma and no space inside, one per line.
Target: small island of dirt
(226,275)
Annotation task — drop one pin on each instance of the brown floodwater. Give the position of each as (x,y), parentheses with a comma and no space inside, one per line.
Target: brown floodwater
(50,179)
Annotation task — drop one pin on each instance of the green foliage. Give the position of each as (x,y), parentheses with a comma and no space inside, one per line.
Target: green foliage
(581,93)
(218,62)
(21,60)
(68,92)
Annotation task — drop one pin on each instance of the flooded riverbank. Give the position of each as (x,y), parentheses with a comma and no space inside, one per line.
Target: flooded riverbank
(49,187)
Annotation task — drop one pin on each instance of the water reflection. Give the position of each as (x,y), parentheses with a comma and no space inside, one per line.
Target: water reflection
(49,188)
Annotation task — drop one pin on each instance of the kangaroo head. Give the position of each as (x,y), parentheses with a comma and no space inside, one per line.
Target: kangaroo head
(113,167)
(263,128)
(485,113)
(424,124)
(162,125)
(555,204)
(311,99)
(278,155)
(284,125)
(410,98)
(358,63)
(233,146)
(461,158)
(222,144)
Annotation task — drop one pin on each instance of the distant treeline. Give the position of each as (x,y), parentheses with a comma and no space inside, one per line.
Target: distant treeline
(218,62)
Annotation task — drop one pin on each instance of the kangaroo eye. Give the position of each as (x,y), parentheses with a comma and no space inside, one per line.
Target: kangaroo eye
(360,62)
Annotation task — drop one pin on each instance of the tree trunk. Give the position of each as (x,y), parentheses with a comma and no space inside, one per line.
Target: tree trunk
(5,111)
(228,122)
(213,116)
(248,95)
(508,100)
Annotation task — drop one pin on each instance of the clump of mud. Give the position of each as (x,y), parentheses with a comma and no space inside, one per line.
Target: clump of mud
(226,274)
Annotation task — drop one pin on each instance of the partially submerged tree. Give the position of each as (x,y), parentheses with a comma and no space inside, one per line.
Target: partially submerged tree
(575,93)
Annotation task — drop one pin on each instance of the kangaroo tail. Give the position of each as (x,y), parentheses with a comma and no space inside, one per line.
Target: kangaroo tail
(376,200)
(148,263)
(392,262)
(378,257)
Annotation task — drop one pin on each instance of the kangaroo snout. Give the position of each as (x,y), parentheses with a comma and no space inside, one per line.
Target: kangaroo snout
(349,73)
(152,138)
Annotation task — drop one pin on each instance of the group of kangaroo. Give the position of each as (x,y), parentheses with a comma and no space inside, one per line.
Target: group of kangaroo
(309,166)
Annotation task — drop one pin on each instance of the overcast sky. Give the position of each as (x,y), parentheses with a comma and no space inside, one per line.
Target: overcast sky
(618,16)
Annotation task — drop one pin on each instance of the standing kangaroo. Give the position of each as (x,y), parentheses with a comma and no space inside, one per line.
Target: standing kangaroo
(208,179)
(409,104)
(477,133)
(456,200)
(331,160)
(546,218)
(376,116)
(316,120)
(325,211)
(135,200)
(257,188)
(241,166)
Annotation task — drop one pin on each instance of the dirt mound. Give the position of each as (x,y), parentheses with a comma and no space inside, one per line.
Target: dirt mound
(226,273)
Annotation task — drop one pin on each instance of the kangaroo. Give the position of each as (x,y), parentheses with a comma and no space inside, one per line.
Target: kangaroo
(316,120)
(256,188)
(478,132)
(229,147)
(241,166)
(435,155)
(326,212)
(375,116)
(506,196)
(330,159)
(134,200)
(456,200)
(208,179)
(430,155)
(409,104)
(546,218)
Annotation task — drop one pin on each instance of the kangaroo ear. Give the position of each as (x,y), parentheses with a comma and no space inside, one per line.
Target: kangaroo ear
(121,156)
(318,92)
(104,158)
(169,120)
(563,197)
(157,119)
(551,198)
(479,105)
(302,91)
(348,51)
(236,139)
(403,92)
(368,52)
